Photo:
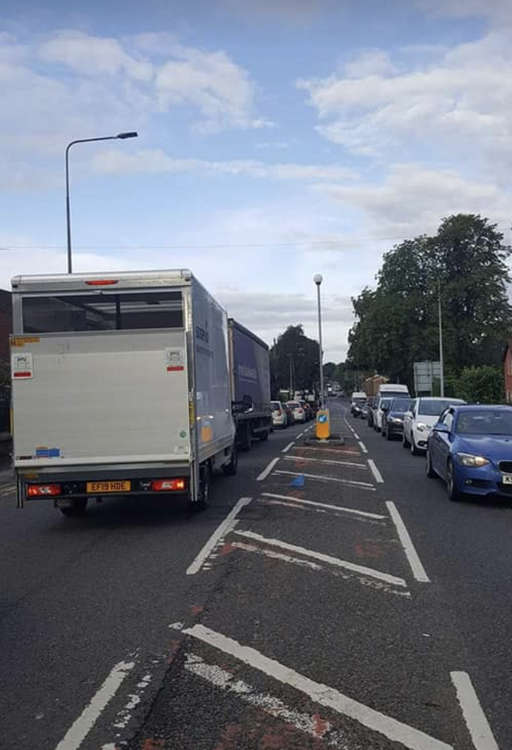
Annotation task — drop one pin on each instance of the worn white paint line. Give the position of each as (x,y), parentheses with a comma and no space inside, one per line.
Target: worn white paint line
(266,471)
(338,451)
(362,446)
(355,435)
(376,473)
(225,527)
(476,720)
(288,447)
(307,723)
(354,567)
(323,695)
(326,461)
(417,568)
(299,435)
(91,713)
(351,482)
(324,505)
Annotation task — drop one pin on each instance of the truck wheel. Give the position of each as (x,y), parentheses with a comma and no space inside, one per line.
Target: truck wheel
(77,508)
(231,468)
(246,442)
(203,495)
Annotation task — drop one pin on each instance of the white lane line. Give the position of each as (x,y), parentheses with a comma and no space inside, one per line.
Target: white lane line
(225,527)
(266,471)
(417,568)
(362,446)
(224,680)
(326,461)
(299,435)
(355,435)
(89,716)
(376,473)
(352,483)
(288,447)
(323,695)
(476,720)
(362,569)
(324,505)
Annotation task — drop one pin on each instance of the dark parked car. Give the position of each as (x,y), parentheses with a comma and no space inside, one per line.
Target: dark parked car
(393,417)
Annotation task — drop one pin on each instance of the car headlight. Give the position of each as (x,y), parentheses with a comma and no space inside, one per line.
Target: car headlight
(421,427)
(467,459)
(396,420)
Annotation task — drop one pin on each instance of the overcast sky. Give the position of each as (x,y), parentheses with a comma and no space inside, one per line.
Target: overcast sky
(277,139)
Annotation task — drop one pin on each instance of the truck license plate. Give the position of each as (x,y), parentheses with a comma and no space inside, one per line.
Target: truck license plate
(101,487)
(506,478)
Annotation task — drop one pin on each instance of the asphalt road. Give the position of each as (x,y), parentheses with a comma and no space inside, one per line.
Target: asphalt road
(308,621)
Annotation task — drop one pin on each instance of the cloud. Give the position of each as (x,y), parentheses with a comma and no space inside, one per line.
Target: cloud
(91,56)
(211,82)
(413,199)
(459,104)
(157,161)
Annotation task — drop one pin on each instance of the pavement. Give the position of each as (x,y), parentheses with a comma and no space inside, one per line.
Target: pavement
(329,597)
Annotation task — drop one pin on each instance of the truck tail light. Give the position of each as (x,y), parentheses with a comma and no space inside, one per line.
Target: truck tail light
(43,490)
(168,485)
(102,282)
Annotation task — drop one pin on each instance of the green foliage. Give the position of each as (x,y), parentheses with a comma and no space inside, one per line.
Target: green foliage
(294,357)
(482,385)
(397,323)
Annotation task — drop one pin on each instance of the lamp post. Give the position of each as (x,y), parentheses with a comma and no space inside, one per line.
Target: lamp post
(122,136)
(317,278)
(441,354)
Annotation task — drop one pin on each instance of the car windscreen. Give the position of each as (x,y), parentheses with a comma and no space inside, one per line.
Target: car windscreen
(386,401)
(400,404)
(430,407)
(65,313)
(485,422)
(359,400)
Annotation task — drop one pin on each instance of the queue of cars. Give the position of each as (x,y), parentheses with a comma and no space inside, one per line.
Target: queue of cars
(285,413)
(468,446)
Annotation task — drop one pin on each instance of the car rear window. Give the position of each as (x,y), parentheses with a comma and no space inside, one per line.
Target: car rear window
(275,405)
(485,422)
(430,407)
(294,404)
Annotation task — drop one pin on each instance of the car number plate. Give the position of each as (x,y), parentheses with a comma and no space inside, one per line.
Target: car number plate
(100,487)
(506,478)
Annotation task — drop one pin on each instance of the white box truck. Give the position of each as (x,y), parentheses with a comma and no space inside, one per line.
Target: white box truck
(120,387)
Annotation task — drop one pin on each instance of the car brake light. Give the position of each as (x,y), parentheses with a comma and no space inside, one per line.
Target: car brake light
(168,485)
(42,490)
(102,282)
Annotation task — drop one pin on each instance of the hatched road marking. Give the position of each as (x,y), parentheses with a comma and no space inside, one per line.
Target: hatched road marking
(376,473)
(476,720)
(323,695)
(323,505)
(354,567)
(353,483)
(288,447)
(417,568)
(266,471)
(326,461)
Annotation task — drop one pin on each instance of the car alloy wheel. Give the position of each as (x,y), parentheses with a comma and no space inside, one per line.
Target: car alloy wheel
(451,487)
(429,469)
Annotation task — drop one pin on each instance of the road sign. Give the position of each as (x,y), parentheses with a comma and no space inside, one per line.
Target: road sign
(424,375)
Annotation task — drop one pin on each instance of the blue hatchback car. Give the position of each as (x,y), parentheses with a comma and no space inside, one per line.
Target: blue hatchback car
(470,447)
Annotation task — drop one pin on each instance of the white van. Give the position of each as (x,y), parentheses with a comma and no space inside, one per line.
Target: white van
(389,391)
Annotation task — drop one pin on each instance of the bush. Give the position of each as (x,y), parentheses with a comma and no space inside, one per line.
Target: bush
(483,385)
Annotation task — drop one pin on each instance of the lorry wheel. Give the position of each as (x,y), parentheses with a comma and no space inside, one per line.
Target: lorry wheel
(77,508)
(246,442)
(231,468)
(203,495)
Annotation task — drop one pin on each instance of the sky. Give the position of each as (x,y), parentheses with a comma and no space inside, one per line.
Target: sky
(277,139)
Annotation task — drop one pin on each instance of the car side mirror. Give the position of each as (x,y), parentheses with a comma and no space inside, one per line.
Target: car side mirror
(441,427)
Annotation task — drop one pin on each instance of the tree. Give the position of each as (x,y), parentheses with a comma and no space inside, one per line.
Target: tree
(482,385)
(294,357)
(397,323)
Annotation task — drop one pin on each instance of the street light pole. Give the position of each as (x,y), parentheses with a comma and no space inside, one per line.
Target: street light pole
(317,278)
(122,136)
(441,354)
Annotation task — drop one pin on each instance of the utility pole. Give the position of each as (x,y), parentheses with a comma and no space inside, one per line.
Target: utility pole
(441,355)
(317,278)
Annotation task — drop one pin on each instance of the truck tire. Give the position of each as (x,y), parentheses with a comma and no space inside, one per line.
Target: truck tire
(203,497)
(231,468)
(78,508)
(246,439)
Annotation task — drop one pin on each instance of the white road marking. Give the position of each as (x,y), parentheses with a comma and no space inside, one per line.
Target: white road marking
(323,505)
(226,526)
(476,720)
(338,451)
(299,435)
(91,713)
(351,482)
(266,471)
(417,568)
(268,703)
(288,447)
(376,473)
(326,461)
(355,434)
(323,695)
(363,447)
(354,567)
(125,714)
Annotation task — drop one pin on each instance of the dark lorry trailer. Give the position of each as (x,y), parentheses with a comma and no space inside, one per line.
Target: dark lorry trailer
(250,385)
